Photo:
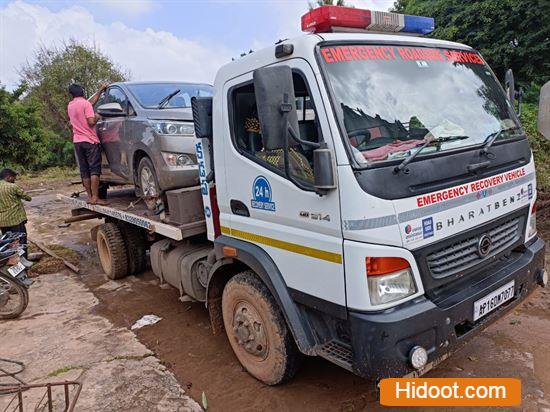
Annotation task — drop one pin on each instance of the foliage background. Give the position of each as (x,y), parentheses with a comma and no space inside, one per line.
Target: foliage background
(33,118)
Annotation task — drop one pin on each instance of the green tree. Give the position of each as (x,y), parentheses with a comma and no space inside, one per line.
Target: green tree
(24,139)
(319,3)
(508,33)
(53,69)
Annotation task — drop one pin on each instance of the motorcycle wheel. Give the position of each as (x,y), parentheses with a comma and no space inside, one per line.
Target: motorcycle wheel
(14,297)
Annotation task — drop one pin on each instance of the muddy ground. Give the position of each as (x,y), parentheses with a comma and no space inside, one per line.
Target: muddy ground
(515,346)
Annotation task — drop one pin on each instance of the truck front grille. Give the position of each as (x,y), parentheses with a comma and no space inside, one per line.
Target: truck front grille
(463,255)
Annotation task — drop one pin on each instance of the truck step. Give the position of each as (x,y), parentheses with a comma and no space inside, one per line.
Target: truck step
(337,352)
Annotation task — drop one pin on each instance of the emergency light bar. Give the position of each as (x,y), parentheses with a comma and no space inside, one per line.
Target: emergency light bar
(327,19)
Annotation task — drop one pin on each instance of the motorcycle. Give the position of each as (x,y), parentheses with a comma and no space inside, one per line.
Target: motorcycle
(14,283)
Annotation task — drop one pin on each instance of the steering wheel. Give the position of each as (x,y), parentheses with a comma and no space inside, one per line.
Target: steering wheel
(361,132)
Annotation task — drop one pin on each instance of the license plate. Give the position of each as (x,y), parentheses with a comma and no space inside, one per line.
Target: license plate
(16,270)
(493,300)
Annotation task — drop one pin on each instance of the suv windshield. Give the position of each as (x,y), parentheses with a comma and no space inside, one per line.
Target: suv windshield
(150,95)
(393,99)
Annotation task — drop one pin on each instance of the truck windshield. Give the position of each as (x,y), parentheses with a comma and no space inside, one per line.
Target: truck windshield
(150,95)
(393,99)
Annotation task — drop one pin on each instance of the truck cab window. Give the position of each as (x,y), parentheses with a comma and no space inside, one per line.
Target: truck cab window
(248,135)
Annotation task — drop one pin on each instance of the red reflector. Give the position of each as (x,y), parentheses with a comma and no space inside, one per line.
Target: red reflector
(323,19)
(383,265)
(534,208)
(229,251)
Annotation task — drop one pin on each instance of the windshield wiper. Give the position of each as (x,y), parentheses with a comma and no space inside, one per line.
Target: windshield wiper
(166,99)
(409,159)
(489,140)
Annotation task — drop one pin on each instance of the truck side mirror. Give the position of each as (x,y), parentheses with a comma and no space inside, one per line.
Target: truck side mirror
(276,104)
(543,120)
(202,117)
(110,110)
(509,86)
(511,92)
(323,169)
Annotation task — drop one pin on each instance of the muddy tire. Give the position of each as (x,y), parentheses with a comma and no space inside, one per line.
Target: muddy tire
(148,183)
(136,248)
(257,330)
(112,251)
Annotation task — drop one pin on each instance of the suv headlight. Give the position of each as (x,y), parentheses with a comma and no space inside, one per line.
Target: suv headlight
(179,159)
(173,128)
(389,278)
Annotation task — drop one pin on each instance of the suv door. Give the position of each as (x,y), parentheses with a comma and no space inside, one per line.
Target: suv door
(111,133)
(299,229)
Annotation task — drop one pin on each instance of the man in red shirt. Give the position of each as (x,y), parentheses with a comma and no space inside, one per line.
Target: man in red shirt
(86,143)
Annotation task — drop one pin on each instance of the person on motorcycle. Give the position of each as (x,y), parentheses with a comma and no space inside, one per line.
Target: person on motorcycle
(12,213)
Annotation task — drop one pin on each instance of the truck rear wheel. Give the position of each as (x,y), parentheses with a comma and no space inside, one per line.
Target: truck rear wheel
(257,330)
(136,248)
(112,251)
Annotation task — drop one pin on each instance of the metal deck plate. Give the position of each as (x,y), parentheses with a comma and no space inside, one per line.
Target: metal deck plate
(128,208)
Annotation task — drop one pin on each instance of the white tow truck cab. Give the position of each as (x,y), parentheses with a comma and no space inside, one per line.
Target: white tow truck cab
(370,198)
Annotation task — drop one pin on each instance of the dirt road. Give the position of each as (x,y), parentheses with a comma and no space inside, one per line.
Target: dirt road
(516,346)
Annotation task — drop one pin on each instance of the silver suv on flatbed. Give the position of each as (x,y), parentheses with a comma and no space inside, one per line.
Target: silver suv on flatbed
(147,135)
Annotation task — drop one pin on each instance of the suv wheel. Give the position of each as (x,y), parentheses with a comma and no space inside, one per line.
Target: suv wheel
(148,183)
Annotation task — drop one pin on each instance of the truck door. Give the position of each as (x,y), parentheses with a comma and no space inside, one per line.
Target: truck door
(299,229)
(111,131)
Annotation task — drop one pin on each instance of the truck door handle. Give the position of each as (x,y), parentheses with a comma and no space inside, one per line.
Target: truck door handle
(239,208)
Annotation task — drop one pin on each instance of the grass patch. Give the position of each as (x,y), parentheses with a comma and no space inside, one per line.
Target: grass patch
(130,357)
(52,174)
(48,264)
(62,370)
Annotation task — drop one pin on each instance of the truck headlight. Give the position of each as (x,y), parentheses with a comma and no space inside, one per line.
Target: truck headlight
(532,230)
(389,279)
(179,159)
(173,128)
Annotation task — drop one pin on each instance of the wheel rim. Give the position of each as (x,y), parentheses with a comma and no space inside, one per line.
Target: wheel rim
(147,180)
(249,331)
(10,297)
(104,254)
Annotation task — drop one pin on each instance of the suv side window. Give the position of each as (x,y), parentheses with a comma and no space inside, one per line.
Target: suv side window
(116,95)
(247,135)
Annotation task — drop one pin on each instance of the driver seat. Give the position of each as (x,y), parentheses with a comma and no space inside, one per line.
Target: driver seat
(273,153)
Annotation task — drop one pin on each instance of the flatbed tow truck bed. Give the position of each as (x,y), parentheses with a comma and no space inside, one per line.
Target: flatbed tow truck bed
(125,206)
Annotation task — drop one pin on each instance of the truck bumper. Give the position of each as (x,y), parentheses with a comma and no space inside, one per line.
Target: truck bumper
(381,341)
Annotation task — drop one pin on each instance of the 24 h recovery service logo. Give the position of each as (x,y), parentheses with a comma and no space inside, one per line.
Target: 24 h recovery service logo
(261,195)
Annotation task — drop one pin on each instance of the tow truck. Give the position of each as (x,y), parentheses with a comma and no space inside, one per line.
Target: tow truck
(366,195)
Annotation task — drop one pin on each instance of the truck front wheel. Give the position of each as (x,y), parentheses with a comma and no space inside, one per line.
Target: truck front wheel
(257,330)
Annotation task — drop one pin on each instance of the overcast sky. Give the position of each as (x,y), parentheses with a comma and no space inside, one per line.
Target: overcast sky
(155,40)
